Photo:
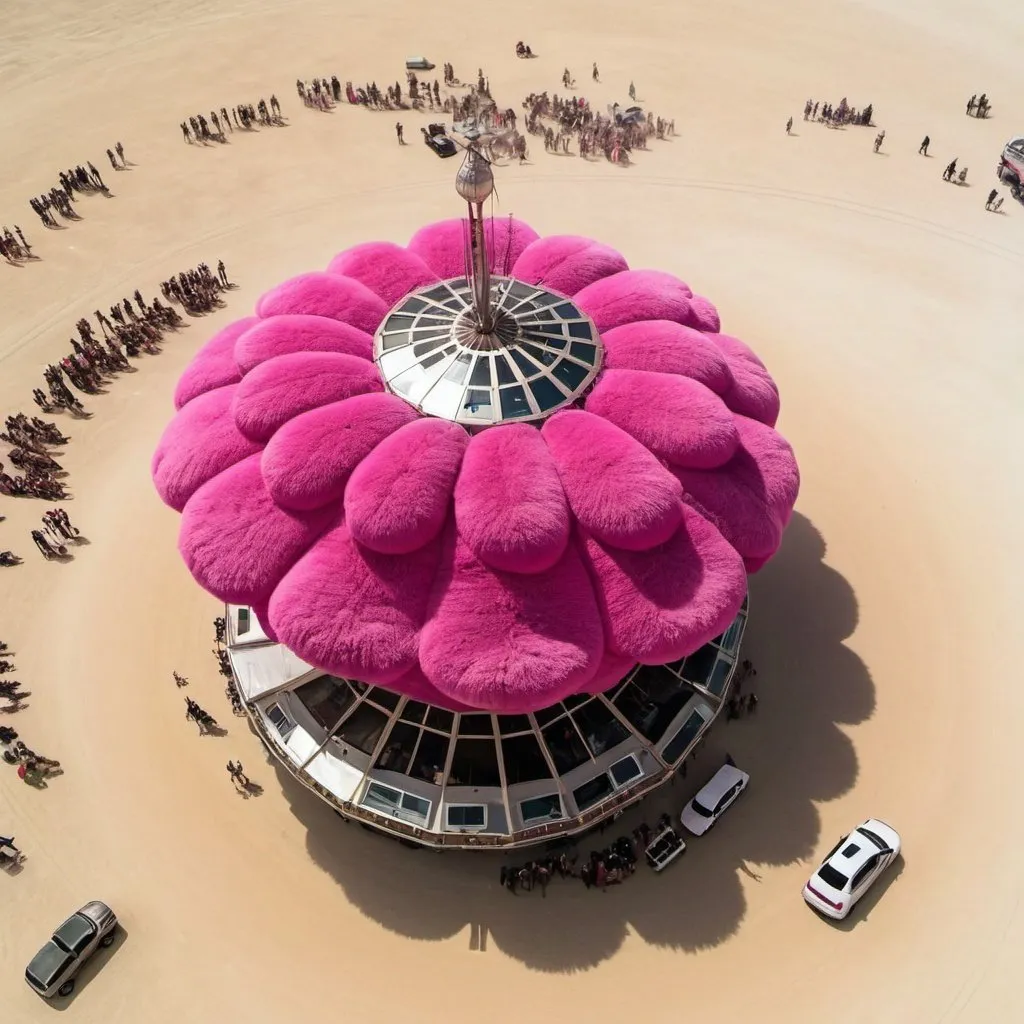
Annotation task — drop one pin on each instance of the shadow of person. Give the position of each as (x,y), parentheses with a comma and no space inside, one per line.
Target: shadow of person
(809,682)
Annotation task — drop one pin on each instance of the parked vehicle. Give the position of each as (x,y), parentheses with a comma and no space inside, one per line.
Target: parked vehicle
(852,866)
(437,139)
(664,848)
(1010,170)
(52,970)
(418,64)
(717,796)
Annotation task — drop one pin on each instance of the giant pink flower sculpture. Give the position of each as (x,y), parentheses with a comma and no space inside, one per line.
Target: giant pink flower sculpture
(500,569)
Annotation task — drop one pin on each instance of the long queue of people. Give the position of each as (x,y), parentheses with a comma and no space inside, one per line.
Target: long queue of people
(245,117)
(29,440)
(72,184)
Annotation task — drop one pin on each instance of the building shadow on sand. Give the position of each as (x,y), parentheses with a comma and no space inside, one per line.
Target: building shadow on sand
(809,683)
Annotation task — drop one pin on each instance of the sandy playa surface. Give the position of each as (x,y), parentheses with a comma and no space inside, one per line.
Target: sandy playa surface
(887,304)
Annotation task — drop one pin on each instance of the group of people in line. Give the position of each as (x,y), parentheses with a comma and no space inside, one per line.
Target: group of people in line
(29,440)
(15,249)
(33,768)
(119,150)
(56,534)
(197,129)
(978,106)
(10,689)
(839,115)
(72,184)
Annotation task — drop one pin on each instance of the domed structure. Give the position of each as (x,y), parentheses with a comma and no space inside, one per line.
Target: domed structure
(485,551)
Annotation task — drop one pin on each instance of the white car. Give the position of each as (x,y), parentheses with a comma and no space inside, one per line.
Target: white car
(851,867)
(711,802)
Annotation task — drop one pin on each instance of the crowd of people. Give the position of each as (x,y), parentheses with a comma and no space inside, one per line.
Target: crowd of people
(119,150)
(73,183)
(197,129)
(15,249)
(839,115)
(33,768)
(614,134)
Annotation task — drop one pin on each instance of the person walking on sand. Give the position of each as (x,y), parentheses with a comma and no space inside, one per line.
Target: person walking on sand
(991,199)
(596,76)
(632,92)
(971,104)
(399,131)
(789,127)
(947,174)
(923,148)
(879,139)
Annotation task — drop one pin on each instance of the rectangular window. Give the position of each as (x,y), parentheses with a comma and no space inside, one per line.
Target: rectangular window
(677,746)
(718,677)
(593,792)
(243,621)
(467,816)
(626,770)
(403,806)
(282,723)
(541,808)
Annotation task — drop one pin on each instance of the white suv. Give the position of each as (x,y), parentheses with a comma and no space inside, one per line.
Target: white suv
(714,799)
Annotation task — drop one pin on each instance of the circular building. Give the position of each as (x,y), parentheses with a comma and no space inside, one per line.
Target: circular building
(482,509)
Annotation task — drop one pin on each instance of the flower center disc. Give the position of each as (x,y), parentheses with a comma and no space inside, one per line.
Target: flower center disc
(541,354)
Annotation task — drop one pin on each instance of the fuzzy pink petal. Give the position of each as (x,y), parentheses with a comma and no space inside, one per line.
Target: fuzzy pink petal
(416,685)
(261,610)
(213,366)
(751,498)
(616,488)
(666,347)
(567,263)
(753,392)
(442,245)
(663,604)
(635,295)
(397,498)
(613,669)
(704,315)
(352,611)
(299,332)
(388,270)
(322,294)
(509,503)
(509,642)
(200,442)
(282,387)
(308,461)
(236,542)
(675,417)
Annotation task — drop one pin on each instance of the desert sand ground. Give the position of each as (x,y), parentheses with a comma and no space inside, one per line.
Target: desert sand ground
(888,305)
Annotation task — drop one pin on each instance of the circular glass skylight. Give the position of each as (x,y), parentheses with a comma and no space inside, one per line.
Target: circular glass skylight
(541,356)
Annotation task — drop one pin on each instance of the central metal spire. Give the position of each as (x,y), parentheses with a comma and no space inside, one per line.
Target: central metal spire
(475,183)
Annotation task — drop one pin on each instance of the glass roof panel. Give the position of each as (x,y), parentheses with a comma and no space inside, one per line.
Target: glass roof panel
(413,351)
(523,759)
(475,763)
(565,746)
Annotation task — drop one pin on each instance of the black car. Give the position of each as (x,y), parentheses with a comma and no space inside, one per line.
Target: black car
(435,137)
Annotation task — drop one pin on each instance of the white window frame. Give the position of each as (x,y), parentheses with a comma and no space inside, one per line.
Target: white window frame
(530,822)
(399,813)
(465,828)
(639,774)
(292,724)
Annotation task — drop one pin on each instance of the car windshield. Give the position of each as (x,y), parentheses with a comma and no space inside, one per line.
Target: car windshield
(830,876)
(874,837)
(701,809)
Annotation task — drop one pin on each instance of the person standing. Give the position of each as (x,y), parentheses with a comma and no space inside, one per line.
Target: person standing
(399,132)
(597,78)
(923,148)
(632,92)
(991,199)
(789,127)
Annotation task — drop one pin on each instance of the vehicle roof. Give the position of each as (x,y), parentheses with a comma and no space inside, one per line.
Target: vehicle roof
(48,963)
(725,778)
(76,928)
